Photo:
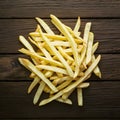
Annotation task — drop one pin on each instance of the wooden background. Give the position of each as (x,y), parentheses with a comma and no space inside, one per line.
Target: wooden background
(101,99)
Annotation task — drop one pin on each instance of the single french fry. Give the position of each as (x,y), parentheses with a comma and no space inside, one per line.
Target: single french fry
(86,31)
(26,43)
(79,96)
(85,37)
(52,68)
(39,92)
(67,101)
(95,46)
(31,67)
(33,84)
(77,26)
(44,25)
(96,71)
(89,48)
(83,85)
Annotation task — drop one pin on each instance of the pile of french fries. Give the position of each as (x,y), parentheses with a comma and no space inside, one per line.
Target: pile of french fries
(60,63)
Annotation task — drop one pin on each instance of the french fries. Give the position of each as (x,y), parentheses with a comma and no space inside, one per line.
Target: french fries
(60,63)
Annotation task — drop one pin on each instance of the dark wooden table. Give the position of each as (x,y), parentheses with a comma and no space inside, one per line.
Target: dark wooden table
(101,99)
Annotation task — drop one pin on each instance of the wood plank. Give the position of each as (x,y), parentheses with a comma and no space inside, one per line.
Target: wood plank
(61,119)
(101,100)
(10,69)
(106,32)
(66,9)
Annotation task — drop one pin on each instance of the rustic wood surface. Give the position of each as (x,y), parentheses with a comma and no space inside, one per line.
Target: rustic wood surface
(64,9)
(98,102)
(101,99)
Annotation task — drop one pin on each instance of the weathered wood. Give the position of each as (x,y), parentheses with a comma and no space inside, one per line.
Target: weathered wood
(106,32)
(101,100)
(65,9)
(60,119)
(10,69)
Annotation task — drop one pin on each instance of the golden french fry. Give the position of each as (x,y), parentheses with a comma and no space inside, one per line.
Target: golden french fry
(44,25)
(79,96)
(96,71)
(83,85)
(33,84)
(85,37)
(89,49)
(77,26)
(26,43)
(86,31)
(39,92)
(67,101)
(52,68)
(95,46)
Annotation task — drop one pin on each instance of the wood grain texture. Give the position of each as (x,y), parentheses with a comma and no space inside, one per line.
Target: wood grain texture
(60,119)
(101,100)
(107,32)
(64,9)
(12,70)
